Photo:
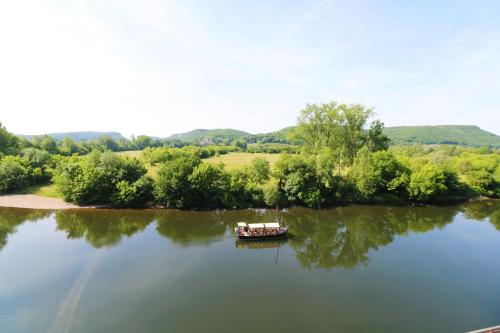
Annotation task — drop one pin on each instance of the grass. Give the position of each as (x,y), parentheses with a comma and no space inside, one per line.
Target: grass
(44,190)
(131,153)
(237,160)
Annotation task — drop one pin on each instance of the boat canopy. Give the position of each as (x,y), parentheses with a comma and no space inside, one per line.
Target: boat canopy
(242,224)
(272,225)
(256,225)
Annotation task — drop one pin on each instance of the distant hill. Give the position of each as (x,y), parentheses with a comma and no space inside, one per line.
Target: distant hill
(464,135)
(79,136)
(199,134)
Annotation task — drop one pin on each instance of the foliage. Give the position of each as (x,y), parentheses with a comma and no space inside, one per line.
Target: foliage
(9,143)
(14,174)
(103,178)
(339,128)
(428,182)
(172,187)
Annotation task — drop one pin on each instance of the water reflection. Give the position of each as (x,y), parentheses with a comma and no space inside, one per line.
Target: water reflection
(335,238)
(343,237)
(260,244)
(482,210)
(11,218)
(102,228)
(194,228)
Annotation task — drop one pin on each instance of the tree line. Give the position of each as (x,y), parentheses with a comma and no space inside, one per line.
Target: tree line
(343,157)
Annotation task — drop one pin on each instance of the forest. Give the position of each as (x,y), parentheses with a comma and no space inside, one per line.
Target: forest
(336,154)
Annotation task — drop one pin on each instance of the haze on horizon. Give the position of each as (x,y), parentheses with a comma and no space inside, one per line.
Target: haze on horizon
(162,67)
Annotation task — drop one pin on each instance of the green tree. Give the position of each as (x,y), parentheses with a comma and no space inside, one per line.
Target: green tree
(210,185)
(68,147)
(14,175)
(102,178)
(106,142)
(260,170)
(8,142)
(298,182)
(365,175)
(173,187)
(45,142)
(429,182)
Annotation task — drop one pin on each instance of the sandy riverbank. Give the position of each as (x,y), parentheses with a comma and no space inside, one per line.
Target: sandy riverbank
(34,201)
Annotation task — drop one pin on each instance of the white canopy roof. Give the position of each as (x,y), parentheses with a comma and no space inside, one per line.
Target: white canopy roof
(242,224)
(256,225)
(272,225)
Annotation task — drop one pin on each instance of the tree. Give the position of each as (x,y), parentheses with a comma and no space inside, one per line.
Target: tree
(336,127)
(260,170)
(375,138)
(210,185)
(365,175)
(143,141)
(173,187)
(429,182)
(13,174)
(103,178)
(68,147)
(298,182)
(45,142)
(8,142)
(107,143)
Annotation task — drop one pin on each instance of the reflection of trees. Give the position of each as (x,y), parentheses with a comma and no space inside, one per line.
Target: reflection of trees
(187,228)
(102,227)
(481,210)
(343,237)
(10,218)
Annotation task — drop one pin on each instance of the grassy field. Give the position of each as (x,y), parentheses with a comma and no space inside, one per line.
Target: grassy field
(131,153)
(44,190)
(236,160)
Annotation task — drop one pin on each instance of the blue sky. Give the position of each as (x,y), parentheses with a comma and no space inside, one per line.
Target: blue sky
(159,67)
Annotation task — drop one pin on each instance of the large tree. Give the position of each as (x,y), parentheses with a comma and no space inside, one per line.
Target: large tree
(340,129)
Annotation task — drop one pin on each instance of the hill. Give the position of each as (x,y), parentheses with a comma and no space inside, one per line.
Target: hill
(79,136)
(218,134)
(464,135)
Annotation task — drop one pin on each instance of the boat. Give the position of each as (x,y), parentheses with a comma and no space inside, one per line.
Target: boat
(260,230)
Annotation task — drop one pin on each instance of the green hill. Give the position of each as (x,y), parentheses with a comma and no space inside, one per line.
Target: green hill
(199,134)
(463,135)
(79,136)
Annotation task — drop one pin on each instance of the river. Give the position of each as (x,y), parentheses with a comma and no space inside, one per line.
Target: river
(346,269)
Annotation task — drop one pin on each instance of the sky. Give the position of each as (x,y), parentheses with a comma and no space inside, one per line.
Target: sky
(162,67)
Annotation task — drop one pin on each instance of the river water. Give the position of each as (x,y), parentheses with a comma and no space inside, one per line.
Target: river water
(346,269)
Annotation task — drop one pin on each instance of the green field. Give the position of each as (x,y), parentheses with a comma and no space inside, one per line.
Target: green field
(236,160)
(131,153)
(44,190)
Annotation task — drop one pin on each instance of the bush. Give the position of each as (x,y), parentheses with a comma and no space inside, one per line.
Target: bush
(210,186)
(14,175)
(134,194)
(103,178)
(173,188)
(298,181)
(432,183)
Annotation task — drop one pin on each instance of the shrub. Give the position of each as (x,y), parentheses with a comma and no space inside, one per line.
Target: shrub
(14,175)
(102,178)
(173,188)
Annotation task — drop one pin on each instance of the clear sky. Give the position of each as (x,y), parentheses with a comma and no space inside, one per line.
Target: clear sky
(160,67)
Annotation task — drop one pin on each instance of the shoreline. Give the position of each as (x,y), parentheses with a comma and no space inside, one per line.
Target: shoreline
(33,201)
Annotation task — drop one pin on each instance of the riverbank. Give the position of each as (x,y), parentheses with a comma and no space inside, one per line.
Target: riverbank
(35,202)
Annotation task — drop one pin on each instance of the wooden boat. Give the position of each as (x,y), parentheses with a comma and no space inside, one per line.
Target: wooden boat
(260,230)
